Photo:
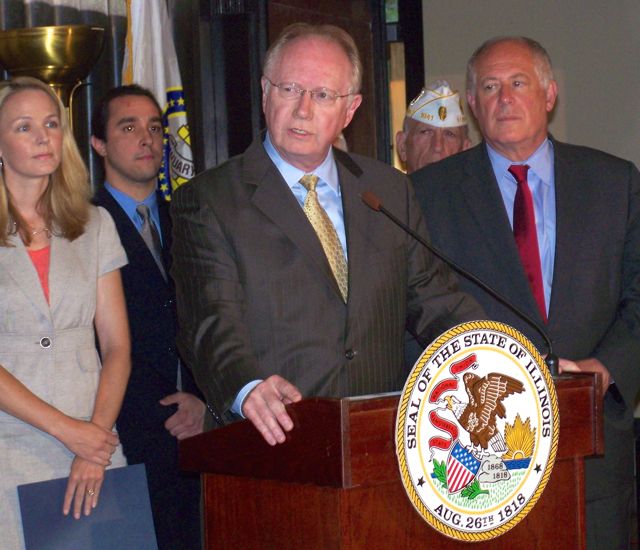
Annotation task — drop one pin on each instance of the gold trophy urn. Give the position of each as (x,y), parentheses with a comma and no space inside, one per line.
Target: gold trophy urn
(61,56)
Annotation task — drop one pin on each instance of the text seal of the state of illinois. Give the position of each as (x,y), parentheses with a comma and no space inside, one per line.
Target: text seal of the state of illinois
(477,430)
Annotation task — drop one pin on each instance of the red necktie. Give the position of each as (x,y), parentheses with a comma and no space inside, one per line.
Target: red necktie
(524,231)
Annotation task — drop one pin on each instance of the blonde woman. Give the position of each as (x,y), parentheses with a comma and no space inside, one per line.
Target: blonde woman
(59,288)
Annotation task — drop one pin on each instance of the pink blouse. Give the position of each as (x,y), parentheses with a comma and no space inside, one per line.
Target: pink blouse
(40,259)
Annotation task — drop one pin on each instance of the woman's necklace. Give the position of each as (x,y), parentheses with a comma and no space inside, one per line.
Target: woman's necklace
(36,232)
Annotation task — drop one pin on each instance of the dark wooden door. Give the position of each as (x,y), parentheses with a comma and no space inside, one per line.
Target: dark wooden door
(360,19)
(221,46)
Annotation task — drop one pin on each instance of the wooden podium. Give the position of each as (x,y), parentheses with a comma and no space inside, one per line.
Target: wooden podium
(335,483)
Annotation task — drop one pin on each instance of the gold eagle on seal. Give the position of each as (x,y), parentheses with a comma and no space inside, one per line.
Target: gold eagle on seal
(478,417)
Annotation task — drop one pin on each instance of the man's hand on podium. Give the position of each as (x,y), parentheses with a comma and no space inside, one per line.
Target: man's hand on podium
(264,407)
(588,365)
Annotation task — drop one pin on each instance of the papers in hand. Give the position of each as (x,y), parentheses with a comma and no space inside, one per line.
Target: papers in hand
(122,518)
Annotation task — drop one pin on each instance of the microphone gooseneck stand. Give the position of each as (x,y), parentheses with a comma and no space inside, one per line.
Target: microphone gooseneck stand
(373,202)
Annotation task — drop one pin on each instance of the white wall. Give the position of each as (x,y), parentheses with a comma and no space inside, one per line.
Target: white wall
(594,46)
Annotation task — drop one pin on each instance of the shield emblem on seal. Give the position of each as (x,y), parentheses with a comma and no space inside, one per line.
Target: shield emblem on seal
(462,467)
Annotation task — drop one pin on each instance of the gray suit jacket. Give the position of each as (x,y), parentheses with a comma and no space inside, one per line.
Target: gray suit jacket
(51,349)
(256,295)
(595,299)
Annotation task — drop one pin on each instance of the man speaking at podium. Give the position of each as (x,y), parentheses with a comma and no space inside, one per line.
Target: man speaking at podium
(555,228)
(287,284)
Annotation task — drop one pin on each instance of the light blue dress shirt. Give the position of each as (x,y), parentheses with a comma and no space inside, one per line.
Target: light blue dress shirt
(330,199)
(541,181)
(328,187)
(129,205)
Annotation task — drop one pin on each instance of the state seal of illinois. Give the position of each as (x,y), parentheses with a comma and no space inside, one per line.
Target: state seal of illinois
(477,430)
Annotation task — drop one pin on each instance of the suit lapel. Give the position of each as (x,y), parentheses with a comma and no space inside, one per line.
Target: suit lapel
(571,201)
(272,196)
(16,262)
(484,201)
(485,205)
(165,228)
(62,280)
(356,220)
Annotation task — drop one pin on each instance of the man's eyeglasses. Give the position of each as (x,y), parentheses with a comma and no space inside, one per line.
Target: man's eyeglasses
(322,96)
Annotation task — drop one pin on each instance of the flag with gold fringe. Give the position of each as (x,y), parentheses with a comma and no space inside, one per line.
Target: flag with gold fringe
(150,60)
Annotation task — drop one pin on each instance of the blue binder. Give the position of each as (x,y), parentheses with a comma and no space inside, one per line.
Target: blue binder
(122,518)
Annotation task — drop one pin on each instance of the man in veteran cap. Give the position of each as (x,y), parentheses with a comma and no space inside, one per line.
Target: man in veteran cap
(434,128)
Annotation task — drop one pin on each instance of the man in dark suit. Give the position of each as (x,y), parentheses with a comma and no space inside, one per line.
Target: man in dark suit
(289,285)
(582,284)
(127,134)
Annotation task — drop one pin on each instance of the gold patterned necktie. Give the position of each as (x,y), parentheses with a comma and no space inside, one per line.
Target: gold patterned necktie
(326,233)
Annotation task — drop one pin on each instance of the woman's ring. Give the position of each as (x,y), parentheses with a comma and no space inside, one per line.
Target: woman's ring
(91,492)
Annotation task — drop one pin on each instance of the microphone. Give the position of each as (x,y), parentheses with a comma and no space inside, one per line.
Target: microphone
(373,202)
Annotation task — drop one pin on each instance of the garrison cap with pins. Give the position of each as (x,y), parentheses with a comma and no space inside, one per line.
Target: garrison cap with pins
(438,105)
